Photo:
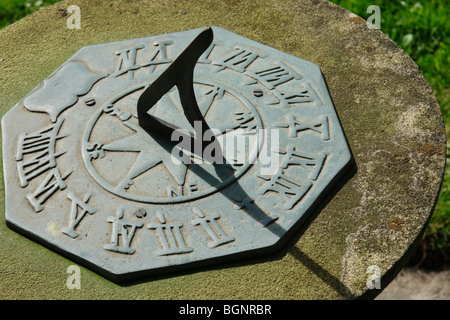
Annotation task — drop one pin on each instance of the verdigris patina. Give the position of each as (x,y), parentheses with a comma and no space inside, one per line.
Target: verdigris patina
(390,116)
(93,169)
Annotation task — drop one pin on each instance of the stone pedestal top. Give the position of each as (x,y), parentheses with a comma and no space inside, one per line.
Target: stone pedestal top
(367,225)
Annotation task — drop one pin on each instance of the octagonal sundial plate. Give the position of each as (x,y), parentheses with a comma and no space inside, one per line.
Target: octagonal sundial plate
(82,177)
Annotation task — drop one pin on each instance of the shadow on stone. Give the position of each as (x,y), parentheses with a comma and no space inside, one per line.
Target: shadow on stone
(286,245)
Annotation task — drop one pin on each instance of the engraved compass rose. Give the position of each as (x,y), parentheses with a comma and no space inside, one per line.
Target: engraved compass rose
(153,151)
(157,154)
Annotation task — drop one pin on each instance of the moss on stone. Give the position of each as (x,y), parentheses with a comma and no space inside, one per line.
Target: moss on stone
(388,112)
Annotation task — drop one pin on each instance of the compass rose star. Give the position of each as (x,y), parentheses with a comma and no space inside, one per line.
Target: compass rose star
(151,153)
(153,150)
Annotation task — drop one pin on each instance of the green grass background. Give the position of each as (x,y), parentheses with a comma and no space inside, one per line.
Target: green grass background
(422,29)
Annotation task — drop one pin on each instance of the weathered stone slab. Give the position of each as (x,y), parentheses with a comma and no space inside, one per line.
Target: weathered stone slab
(83,176)
(368,223)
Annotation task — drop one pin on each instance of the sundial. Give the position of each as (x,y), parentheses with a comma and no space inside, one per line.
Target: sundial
(157,154)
